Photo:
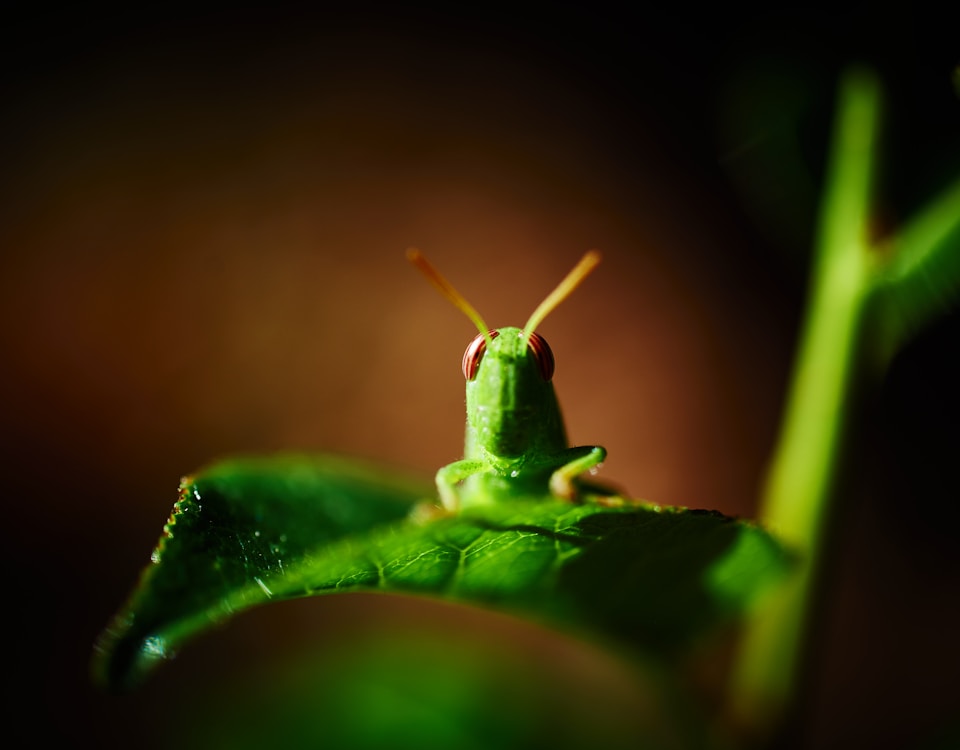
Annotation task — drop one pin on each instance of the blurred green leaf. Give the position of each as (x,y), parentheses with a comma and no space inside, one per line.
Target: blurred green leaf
(432,689)
(917,277)
(244,533)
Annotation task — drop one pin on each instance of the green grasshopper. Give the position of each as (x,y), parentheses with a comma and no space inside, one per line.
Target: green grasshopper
(516,443)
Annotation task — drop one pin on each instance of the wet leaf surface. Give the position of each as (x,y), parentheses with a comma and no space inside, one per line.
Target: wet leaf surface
(250,531)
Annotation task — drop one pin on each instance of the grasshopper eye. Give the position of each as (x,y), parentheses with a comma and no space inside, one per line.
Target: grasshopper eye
(474,353)
(542,354)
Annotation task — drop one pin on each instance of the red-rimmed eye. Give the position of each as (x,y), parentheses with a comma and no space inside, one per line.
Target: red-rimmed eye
(474,353)
(542,354)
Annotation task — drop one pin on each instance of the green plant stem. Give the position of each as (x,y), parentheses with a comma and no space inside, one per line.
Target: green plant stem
(796,499)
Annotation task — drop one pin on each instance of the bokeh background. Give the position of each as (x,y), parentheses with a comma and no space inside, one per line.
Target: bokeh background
(203,218)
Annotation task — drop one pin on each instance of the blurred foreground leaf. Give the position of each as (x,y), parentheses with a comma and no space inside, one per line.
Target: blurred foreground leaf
(247,532)
(439,686)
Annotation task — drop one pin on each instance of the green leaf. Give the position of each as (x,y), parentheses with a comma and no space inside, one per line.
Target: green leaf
(248,532)
(236,527)
(436,687)
(918,277)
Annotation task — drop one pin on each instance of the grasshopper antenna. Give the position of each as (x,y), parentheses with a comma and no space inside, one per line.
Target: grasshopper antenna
(572,280)
(447,290)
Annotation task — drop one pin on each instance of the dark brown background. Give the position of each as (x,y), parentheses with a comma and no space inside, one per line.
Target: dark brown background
(202,229)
